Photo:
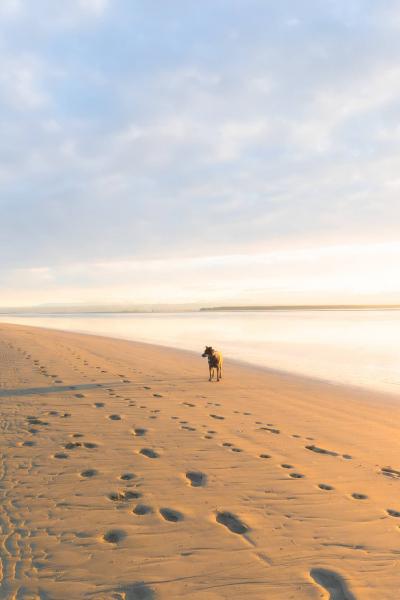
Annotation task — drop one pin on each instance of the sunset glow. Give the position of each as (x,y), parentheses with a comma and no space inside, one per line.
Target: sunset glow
(250,155)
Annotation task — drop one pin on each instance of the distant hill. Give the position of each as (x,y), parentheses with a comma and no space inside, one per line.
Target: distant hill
(304,307)
(68,309)
(56,309)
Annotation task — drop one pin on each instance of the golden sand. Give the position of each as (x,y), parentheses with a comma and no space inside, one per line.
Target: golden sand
(125,474)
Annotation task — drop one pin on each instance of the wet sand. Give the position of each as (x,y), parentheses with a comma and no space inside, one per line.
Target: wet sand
(125,474)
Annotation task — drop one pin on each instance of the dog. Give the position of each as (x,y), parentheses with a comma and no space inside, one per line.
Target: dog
(215,361)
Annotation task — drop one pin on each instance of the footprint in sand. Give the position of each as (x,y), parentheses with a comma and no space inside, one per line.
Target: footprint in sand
(98,404)
(135,591)
(171,515)
(227,444)
(389,472)
(233,523)
(296,475)
(332,583)
(358,496)
(124,496)
(286,466)
(217,417)
(321,450)
(114,417)
(127,476)
(236,450)
(188,404)
(28,443)
(79,395)
(393,513)
(88,473)
(326,487)
(61,455)
(142,509)
(271,430)
(139,431)
(131,495)
(196,478)
(36,421)
(90,445)
(114,536)
(149,453)
(72,445)
(265,456)
(157,395)
(77,435)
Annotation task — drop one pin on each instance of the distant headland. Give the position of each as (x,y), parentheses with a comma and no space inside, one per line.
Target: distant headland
(303,307)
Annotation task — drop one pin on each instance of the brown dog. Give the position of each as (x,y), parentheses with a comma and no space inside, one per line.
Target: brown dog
(215,361)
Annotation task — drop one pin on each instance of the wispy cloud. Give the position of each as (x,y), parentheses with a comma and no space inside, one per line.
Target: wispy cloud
(133,131)
(44,13)
(21,87)
(325,274)
(10,8)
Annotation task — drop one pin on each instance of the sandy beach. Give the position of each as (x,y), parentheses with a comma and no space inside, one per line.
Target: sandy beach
(125,474)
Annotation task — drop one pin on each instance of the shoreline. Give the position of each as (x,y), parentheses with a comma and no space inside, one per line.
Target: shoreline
(368,393)
(126,474)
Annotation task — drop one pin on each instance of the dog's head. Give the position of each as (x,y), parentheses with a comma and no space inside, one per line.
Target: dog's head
(208,351)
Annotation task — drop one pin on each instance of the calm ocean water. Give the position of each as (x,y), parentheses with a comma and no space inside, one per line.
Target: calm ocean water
(354,347)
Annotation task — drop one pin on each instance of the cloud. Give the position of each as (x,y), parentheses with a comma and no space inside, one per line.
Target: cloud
(10,8)
(138,131)
(20,83)
(46,14)
(353,273)
(96,7)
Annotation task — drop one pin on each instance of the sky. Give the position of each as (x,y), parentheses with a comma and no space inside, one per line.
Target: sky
(222,151)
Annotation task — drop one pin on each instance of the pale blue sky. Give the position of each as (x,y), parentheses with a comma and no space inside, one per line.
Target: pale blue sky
(224,150)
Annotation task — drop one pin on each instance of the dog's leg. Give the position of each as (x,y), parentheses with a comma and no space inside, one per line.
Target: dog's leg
(209,369)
